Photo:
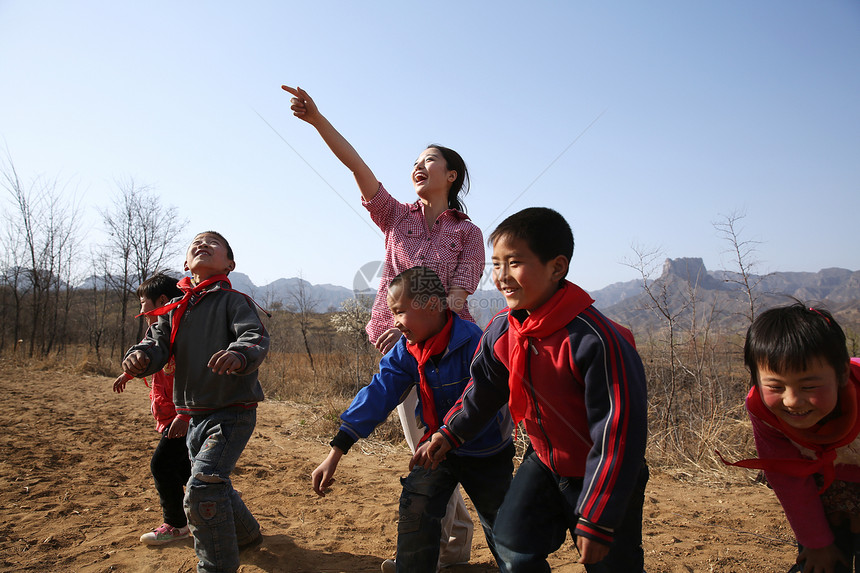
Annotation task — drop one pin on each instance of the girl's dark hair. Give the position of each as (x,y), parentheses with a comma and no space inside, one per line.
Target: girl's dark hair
(461,183)
(157,285)
(787,338)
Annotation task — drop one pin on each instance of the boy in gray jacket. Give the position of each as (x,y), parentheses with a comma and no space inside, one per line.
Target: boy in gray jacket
(218,342)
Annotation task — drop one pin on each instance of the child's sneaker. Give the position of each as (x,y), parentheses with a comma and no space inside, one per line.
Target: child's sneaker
(164,533)
(389,566)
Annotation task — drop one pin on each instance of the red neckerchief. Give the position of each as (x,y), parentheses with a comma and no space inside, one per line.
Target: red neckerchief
(550,317)
(823,439)
(190,290)
(422,352)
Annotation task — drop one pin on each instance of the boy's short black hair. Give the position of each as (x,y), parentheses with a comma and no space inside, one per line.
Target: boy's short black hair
(787,338)
(220,236)
(543,229)
(157,285)
(420,284)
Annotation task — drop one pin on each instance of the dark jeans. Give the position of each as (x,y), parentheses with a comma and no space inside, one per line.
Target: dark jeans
(425,496)
(171,468)
(539,510)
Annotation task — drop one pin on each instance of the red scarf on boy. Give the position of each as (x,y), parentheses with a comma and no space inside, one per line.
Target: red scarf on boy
(823,439)
(422,352)
(549,318)
(190,290)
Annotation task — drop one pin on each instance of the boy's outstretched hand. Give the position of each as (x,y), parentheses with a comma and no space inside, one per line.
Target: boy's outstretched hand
(323,476)
(135,363)
(119,383)
(431,453)
(224,362)
(303,105)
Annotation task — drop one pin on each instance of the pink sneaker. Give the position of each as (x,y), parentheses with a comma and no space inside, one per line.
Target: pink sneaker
(164,533)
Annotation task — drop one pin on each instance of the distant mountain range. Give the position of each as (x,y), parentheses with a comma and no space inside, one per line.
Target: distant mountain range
(836,289)
(626,302)
(685,285)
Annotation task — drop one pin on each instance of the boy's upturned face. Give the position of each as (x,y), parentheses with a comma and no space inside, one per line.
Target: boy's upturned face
(522,278)
(207,257)
(800,399)
(418,322)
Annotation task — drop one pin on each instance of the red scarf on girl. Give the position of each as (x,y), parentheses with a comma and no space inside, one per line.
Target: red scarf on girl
(190,290)
(549,318)
(823,439)
(422,352)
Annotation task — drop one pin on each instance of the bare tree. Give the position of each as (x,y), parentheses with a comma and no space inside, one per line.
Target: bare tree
(95,316)
(303,305)
(743,254)
(143,234)
(659,300)
(353,316)
(41,232)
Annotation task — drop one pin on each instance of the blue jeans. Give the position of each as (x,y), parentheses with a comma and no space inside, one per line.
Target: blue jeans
(217,516)
(425,496)
(539,510)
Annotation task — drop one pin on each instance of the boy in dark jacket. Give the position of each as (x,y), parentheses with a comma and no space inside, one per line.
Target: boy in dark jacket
(218,342)
(434,353)
(575,379)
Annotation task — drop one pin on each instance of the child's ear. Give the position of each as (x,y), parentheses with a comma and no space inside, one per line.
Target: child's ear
(560,266)
(231,266)
(161,300)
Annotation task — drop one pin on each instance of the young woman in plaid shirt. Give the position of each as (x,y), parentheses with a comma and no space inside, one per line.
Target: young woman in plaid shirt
(433,232)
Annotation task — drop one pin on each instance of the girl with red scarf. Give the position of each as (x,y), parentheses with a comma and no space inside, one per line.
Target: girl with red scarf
(803,405)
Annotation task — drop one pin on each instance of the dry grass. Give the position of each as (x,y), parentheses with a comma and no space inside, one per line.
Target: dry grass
(707,414)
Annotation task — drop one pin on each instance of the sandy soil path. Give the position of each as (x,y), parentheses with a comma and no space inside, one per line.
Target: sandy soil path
(76,494)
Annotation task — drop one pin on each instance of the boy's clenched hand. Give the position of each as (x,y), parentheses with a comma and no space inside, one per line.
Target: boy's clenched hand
(431,453)
(224,362)
(178,428)
(590,551)
(135,363)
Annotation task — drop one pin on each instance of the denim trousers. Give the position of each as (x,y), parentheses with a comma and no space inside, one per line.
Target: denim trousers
(217,516)
(539,510)
(171,468)
(425,496)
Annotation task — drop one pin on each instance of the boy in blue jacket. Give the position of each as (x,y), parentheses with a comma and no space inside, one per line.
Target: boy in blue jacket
(575,379)
(434,353)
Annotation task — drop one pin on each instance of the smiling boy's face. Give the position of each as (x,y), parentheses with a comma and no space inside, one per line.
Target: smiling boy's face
(525,281)
(417,321)
(207,256)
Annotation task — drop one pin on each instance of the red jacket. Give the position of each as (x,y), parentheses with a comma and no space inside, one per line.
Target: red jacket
(161,396)
(586,413)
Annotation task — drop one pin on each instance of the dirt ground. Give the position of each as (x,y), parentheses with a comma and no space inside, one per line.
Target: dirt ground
(76,494)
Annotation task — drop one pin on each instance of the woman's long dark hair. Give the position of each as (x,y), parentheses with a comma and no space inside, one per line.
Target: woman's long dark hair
(460,186)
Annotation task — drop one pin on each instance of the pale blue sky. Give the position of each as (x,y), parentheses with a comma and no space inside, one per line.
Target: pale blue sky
(704,108)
